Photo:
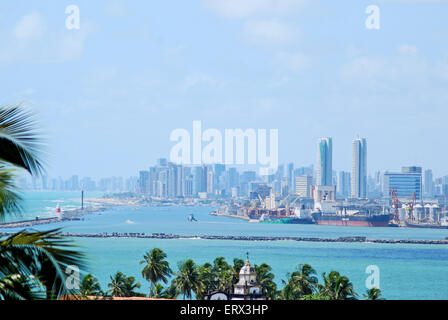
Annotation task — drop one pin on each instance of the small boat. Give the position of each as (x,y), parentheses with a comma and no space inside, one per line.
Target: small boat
(58,208)
(191,218)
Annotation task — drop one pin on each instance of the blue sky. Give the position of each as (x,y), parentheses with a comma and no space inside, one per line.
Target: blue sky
(109,94)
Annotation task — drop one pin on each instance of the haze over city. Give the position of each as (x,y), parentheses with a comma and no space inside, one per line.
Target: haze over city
(116,88)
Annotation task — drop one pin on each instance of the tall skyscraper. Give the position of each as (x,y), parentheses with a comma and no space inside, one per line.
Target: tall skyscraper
(324,171)
(428,183)
(344,184)
(290,171)
(359,168)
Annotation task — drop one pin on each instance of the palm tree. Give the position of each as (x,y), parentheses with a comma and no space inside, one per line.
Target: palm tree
(265,278)
(207,279)
(171,292)
(337,287)
(156,291)
(90,286)
(32,264)
(187,280)
(156,267)
(373,294)
(301,283)
(123,286)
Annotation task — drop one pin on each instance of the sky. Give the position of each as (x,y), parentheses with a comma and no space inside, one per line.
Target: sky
(108,95)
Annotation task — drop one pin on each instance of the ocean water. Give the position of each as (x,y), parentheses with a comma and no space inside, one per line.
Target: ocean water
(406,271)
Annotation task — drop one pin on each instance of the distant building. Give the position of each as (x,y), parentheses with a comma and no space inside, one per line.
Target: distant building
(324,193)
(304,185)
(359,169)
(290,176)
(344,184)
(324,171)
(404,184)
(143,182)
(428,184)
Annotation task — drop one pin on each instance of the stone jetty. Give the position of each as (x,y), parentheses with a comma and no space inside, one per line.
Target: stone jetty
(243,238)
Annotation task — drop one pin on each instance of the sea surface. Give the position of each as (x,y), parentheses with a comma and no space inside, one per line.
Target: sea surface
(406,271)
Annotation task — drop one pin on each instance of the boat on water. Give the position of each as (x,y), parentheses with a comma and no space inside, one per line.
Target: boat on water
(425,225)
(191,218)
(58,208)
(355,220)
(288,220)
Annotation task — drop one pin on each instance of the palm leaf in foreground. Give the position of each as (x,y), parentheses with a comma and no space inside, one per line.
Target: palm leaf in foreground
(9,198)
(19,141)
(41,259)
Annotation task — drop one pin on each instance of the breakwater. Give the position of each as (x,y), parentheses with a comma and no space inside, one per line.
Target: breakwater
(242,238)
(66,215)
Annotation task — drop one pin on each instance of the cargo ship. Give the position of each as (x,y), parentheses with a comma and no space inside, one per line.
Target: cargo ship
(423,225)
(357,215)
(355,220)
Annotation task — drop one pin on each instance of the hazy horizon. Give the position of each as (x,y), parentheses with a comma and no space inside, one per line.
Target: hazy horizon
(109,94)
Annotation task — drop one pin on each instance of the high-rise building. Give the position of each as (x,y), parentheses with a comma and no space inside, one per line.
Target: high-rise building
(210,182)
(324,171)
(304,185)
(344,184)
(143,182)
(404,184)
(359,168)
(290,172)
(197,180)
(428,183)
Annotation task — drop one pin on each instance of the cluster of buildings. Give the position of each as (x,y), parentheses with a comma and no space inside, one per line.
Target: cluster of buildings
(74,183)
(167,180)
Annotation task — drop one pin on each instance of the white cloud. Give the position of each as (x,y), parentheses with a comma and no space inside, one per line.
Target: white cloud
(246,8)
(197,78)
(29,26)
(294,62)
(407,49)
(71,46)
(269,32)
(363,67)
(116,8)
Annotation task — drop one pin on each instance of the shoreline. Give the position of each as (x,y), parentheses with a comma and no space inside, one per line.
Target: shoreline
(163,236)
(66,215)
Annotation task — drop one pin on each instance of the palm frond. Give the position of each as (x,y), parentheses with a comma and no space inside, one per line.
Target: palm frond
(9,197)
(19,141)
(44,255)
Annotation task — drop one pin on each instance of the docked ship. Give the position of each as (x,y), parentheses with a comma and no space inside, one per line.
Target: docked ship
(427,225)
(289,220)
(354,215)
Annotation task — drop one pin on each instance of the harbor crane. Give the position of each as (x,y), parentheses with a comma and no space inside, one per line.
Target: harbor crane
(395,204)
(289,205)
(411,205)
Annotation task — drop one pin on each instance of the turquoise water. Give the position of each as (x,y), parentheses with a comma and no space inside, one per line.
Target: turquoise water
(406,271)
